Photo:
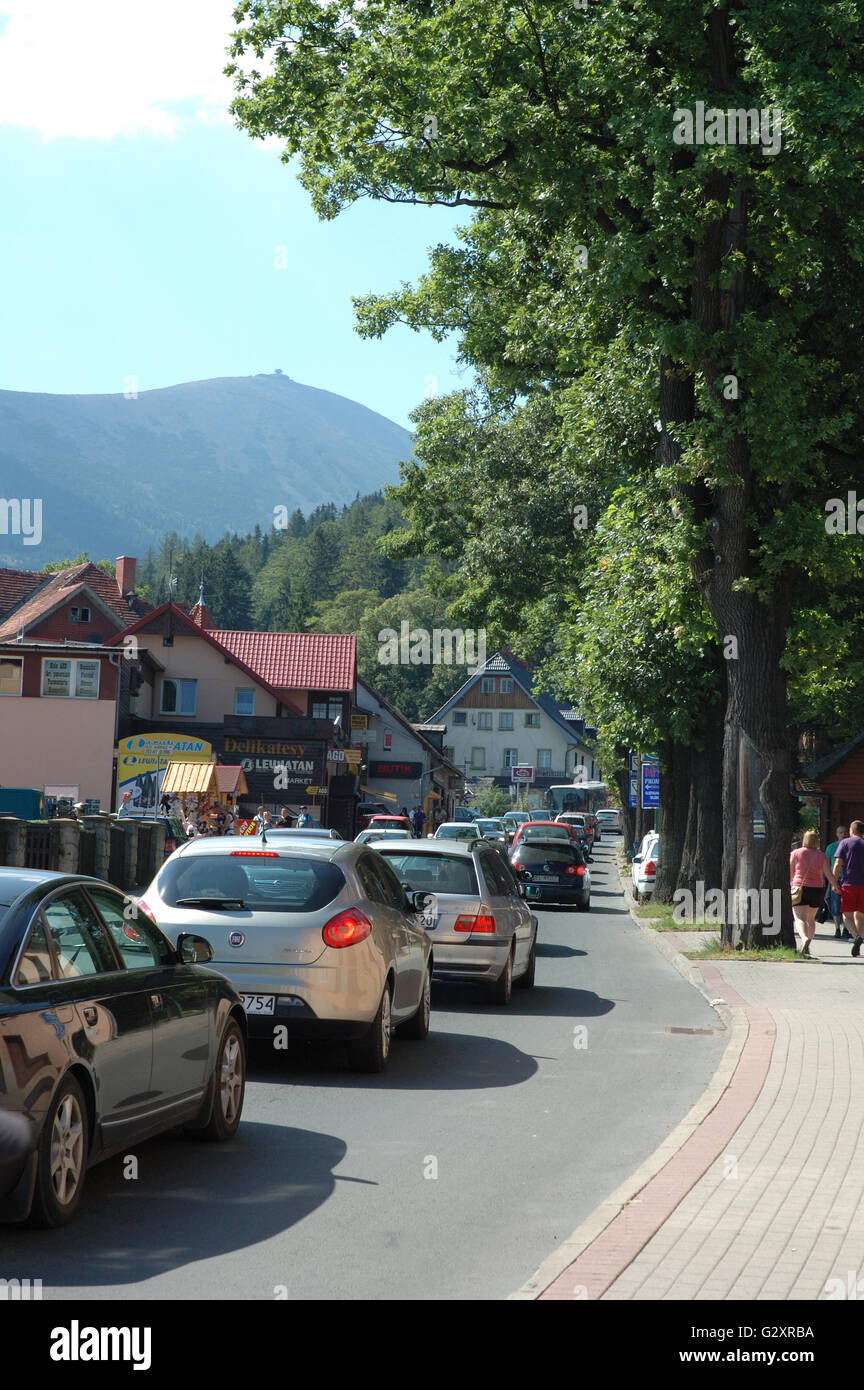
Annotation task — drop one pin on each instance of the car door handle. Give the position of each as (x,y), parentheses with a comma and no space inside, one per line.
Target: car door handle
(91,1014)
(156,1001)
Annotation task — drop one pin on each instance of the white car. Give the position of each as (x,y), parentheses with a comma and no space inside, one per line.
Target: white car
(643,867)
(610,820)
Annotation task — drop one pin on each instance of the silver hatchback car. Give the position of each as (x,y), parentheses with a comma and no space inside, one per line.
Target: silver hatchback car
(317,937)
(476,914)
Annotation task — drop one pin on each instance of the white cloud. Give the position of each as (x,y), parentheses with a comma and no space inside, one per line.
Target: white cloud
(94,69)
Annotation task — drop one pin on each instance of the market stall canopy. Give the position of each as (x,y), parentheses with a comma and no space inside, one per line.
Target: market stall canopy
(203,779)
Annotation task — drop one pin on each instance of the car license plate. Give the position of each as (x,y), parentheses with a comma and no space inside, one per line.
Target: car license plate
(428,920)
(545,878)
(258,1003)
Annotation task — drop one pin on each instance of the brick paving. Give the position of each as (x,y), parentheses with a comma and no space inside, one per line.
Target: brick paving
(766,1198)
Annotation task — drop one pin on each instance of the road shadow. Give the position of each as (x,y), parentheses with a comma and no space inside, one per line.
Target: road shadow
(191,1201)
(543,1001)
(548,948)
(445,1061)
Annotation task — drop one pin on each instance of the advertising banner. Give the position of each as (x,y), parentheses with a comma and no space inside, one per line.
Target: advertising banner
(275,766)
(142,760)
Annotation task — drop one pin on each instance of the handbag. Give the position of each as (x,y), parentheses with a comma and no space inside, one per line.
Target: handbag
(797,894)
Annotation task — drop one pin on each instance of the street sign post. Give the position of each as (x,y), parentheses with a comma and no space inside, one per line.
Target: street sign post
(650,786)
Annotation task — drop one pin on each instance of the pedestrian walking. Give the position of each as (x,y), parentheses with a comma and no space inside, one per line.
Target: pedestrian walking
(304,820)
(418,820)
(125,808)
(849,861)
(286,820)
(262,820)
(809,869)
(832,899)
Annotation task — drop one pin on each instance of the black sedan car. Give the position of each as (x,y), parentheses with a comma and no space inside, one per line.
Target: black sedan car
(553,871)
(108,1036)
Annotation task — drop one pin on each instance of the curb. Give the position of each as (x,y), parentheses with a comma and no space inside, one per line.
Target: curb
(626,1242)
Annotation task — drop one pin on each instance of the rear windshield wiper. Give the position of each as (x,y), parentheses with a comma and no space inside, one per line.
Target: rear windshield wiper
(210,902)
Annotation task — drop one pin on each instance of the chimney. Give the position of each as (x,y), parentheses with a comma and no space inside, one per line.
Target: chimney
(125,570)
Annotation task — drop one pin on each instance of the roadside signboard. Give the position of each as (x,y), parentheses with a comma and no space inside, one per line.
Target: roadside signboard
(650,786)
(522,774)
(633,795)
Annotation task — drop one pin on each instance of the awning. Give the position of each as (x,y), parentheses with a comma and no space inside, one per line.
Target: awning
(231,781)
(375,795)
(203,779)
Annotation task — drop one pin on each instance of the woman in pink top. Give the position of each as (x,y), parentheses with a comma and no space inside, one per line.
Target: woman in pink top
(809,869)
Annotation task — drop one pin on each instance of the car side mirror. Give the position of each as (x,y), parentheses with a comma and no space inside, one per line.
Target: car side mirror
(637,859)
(420,900)
(193,950)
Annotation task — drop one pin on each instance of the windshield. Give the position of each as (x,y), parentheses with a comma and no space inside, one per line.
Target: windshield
(281,884)
(456,832)
(438,873)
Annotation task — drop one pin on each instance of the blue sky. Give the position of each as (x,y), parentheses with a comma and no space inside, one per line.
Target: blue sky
(141,231)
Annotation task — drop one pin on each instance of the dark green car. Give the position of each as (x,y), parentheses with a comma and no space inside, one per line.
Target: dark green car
(109,1035)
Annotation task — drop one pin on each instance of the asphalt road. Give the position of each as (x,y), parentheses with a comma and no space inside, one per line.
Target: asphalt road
(452,1176)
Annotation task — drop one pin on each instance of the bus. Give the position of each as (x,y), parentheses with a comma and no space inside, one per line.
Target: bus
(576,796)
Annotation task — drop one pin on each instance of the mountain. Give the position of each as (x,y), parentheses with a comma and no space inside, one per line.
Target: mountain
(115,474)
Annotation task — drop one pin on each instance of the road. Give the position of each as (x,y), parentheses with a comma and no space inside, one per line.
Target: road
(452,1176)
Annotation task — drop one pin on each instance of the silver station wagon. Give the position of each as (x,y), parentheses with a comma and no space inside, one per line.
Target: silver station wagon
(317,936)
(480,925)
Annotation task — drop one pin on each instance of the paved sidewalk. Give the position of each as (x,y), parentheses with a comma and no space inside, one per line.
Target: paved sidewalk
(766,1198)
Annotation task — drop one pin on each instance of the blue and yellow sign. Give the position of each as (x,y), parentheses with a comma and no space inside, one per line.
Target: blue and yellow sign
(142,760)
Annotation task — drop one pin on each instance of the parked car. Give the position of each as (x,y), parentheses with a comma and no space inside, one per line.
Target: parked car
(365,809)
(553,871)
(109,1034)
(643,866)
(367,836)
(457,830)
(476,914)
(316,935)
(401,823)
(609,820)
(463,813)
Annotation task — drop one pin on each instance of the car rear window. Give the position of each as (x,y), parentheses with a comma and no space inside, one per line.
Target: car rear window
(439,873)
(546,832)
(548,854)
(294,884)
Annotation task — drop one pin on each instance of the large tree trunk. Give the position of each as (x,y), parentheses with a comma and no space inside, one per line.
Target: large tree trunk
(702,860)
(675,760)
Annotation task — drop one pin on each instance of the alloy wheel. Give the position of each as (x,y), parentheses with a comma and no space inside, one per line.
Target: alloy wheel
(67,1150)
(231,1078)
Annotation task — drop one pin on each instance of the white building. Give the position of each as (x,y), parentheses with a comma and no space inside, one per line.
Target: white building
(403,766)
(495,723)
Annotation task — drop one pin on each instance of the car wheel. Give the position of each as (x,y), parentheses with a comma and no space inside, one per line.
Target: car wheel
(418,1026)
(62,1162)
(585,907)
(502,989)
(229,1085)
(372,1051)
(526,981)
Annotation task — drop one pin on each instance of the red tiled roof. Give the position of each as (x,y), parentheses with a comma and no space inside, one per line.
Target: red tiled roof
(58,588)
(295,660)
(15,585)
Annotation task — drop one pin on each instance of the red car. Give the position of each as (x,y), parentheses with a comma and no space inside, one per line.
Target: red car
(544,830)
(390,823)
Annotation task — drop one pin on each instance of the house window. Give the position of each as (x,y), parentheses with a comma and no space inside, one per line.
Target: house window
(11,670)
(70,680)
(79,615)
(484,719)
(505,685)
(511,757)
(460,716)
(532,721)
(487,685)
(505,720)
(330,708)
(544,759)
(478,757)
(244,701)
(178,697)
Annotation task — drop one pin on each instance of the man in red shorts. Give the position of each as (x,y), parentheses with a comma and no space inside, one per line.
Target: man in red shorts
(849,858)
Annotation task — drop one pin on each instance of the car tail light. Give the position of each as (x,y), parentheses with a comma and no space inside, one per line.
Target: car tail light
(347,928)
(575,869)
(253,854)
(650,867)
(142,907)
(483,922)
(170,846)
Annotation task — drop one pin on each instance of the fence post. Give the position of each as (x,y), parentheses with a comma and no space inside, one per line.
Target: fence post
(130,854)
(100,824)
(68,840)
(15,842)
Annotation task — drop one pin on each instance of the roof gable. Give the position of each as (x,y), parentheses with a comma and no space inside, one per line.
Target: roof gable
(499,664)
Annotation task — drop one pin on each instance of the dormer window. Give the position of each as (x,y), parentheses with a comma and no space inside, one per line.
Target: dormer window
(79,615)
